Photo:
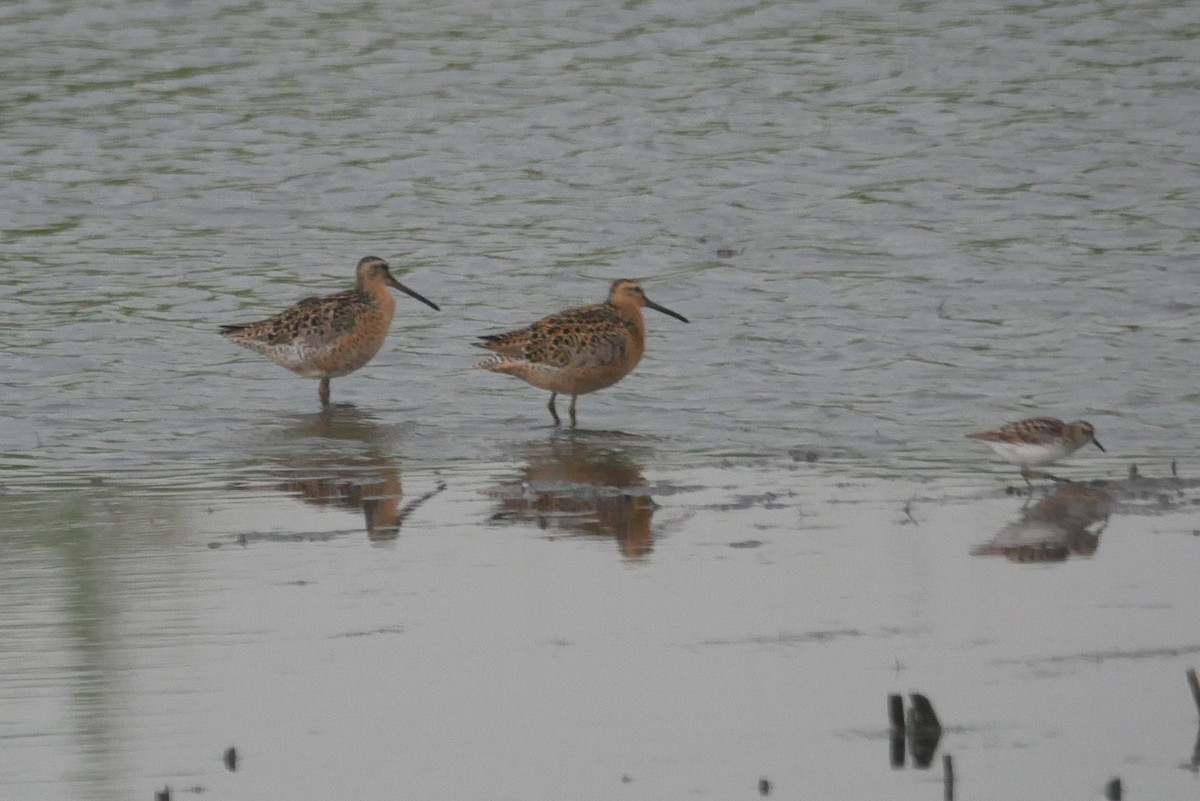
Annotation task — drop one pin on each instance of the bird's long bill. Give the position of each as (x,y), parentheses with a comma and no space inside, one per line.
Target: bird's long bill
(392,282)
(1096,442)
(652,305)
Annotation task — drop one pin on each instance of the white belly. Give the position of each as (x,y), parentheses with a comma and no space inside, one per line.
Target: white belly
(1028,455)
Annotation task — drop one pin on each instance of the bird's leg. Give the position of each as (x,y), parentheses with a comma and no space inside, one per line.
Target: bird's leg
(1028,474)
(553,411)
(572,410)
(323,391)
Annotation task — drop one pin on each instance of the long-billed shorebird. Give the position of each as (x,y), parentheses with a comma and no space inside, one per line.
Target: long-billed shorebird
(324,337)
(1038,441)
(579,350)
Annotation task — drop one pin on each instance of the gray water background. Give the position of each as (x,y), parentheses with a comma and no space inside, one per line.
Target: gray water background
(889,224)
(944,216)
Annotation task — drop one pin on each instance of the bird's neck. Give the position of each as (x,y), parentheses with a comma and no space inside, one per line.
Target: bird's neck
(379,295)
(629,312)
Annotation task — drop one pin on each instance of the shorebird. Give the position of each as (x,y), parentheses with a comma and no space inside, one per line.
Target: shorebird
(1038,441)
(324,337)
(579,350)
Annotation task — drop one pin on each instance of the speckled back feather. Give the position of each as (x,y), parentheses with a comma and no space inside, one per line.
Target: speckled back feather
(582,337)
(1033,431)
(318,321)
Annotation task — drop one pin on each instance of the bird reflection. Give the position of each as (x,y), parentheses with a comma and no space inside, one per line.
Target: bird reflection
(379,500)
(348,468)
(1062,524)
(572,486)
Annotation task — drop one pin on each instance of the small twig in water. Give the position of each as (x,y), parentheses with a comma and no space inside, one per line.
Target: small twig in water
(412,505)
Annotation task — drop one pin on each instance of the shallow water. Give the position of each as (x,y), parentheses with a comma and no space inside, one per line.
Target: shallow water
(941,217)
(525,633)
(888,226)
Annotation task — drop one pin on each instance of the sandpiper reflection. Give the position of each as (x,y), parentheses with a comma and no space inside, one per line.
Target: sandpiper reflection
(581,489)
(340,458)
(379,500)
(1068,521)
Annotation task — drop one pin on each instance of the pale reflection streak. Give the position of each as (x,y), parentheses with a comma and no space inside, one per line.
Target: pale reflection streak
(1068,521)
(572,486)
(75,561)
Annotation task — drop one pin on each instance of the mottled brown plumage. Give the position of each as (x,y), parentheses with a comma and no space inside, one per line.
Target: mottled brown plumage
(1038,441)
(578,350)
(323,337)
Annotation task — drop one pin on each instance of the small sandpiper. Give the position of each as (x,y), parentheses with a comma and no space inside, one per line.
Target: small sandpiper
(1038,441)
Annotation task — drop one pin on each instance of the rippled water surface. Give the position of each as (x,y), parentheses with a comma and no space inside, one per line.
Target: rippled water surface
(889,224)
